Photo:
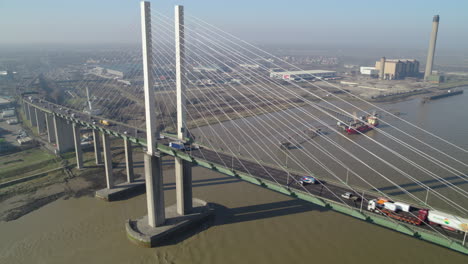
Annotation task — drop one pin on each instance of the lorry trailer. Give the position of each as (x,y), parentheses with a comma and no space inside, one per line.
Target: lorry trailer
(416,216)
(399,211)
(448,221)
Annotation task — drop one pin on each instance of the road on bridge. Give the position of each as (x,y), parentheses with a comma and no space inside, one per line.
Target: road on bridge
(323,189)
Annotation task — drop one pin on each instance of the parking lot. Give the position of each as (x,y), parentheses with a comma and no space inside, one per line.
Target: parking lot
(10,132)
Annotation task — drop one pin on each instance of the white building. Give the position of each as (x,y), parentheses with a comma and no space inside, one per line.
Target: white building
(8,113)
(302,75)
(369,71)
(116,73)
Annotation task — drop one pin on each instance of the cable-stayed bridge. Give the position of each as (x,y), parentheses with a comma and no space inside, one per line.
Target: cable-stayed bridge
(202,86)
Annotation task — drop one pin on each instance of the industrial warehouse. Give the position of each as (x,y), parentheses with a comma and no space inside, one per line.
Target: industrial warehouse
(302,75)
(395,69)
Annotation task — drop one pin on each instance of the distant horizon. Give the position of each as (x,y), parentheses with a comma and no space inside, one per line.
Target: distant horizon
(403,24)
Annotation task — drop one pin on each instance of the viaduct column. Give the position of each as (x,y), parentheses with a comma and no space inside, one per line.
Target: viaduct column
(108,160)
(26,110)
(97,147)
(40,121)
(78,150)
(183,169)
(153,164)
(32,115)
(129,160)
(50,128)
(63,135)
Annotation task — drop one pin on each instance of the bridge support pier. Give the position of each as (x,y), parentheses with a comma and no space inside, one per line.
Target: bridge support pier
(108,160)
(63,135)
(32,115)
(129,160)
(40,120)
(97,147)
(26,110)
(183,177)
(78,150)
(163,222)
(50,128)
(154,228)
(154,190)
(124,190)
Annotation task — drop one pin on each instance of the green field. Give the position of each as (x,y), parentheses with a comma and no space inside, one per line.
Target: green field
(25,163)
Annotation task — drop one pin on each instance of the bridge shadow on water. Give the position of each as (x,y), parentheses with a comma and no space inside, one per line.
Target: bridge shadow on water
(433,184)
(225,216)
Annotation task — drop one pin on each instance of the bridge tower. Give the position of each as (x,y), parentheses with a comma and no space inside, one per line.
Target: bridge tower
(155,228)
(152,158)
(183,168)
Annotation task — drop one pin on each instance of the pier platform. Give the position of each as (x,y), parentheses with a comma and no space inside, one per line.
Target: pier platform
(140,233)
(122,190)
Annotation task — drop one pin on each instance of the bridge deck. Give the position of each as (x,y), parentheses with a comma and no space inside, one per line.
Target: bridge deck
(218,160)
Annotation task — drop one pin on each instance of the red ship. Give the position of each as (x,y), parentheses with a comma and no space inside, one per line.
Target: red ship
(361,125)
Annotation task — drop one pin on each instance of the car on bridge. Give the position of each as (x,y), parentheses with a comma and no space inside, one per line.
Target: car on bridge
(305,180)
(350,196)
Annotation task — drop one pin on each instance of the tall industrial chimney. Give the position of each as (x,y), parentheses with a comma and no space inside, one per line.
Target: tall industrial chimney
(382,68)
(432,46)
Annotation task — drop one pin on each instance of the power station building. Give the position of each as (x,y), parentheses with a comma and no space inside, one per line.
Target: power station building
(395,69)
(302,75)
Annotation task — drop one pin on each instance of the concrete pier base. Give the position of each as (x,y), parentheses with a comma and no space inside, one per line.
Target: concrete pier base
(139,232)
(154,190)
(122,191)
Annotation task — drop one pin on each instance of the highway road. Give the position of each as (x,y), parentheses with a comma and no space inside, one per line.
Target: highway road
(322,189)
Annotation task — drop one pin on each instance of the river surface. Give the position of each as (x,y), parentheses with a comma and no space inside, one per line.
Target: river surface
(255,225)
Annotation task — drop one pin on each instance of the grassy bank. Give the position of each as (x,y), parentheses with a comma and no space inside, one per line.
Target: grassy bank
(25,162)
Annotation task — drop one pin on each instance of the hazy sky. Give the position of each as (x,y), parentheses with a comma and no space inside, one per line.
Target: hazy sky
(399,22)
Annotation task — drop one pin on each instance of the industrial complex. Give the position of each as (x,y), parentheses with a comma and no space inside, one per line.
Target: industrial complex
(397,68)
(302,75)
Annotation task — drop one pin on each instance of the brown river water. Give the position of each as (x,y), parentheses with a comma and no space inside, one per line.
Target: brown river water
(253,225)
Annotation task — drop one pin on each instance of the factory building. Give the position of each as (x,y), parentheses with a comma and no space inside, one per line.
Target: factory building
(395,69)
(371,71)
(107,73)
(115,73)
(5,103)
(302,75)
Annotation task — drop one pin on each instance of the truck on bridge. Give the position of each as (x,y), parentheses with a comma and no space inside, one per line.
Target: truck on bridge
(416,216)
